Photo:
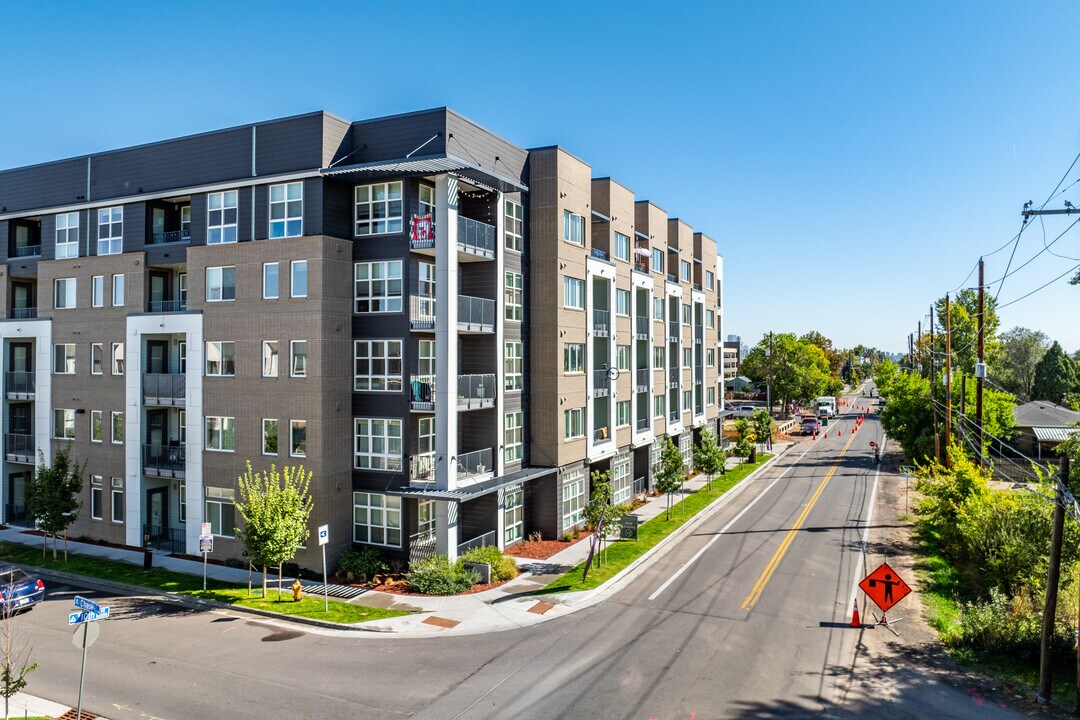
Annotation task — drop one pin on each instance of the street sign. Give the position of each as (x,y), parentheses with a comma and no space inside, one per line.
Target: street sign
(907,470)
(84,604)
(884,587)
(873,444)
(628,527)
(206,530)
(84,636)
(87,616)
(206,544)
(324,534)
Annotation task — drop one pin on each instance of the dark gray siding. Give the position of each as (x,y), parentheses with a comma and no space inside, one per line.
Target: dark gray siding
(397,136)
(478,517)
(542,507)
(288,145)
(489,151)
(57,183)
(338,198)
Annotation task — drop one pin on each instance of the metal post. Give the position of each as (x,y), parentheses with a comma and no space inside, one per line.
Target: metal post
(325,591)
(933,389)
(948,379)
(979,380)
(204,572)
(1050,608)
(82,673)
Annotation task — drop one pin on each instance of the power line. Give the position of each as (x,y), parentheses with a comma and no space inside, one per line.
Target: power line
(1074,268)
(1046,248)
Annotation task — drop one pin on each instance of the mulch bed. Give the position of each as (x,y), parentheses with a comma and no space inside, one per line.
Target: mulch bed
(84,540)
(197,558)
(542,549)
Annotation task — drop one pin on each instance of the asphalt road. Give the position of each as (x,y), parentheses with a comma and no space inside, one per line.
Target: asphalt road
(745,617)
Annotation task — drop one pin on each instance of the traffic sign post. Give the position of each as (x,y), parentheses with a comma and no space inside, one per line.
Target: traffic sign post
(324,538)
(85,636)
(886,588)
(206,546)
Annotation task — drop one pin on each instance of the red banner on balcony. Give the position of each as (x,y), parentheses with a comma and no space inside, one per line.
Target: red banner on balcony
(422,227)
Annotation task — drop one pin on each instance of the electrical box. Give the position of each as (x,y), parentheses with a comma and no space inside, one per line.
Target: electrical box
(980,370)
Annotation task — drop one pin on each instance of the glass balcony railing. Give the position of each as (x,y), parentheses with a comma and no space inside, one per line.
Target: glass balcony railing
(164,306)
(165,460)
(476,462)
(601,383)
(476,391)
(642,424)
(25,251)
(601,322)
(641,326)
(642,381)
(476,314)
(164,388)
(20,385)
(173,236)
(475,237)
(23,313)
(19,447)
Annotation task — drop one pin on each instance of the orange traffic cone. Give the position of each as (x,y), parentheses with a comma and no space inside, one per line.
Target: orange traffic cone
(839,431)
(815,437)
(855,620)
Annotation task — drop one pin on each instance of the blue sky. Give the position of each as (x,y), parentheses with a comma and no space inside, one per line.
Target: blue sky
(852,160)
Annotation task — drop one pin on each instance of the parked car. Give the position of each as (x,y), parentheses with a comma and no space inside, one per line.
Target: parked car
(810,425)
(745,411)
(19,591)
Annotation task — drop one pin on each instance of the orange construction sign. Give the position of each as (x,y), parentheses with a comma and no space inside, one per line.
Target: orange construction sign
(884,587)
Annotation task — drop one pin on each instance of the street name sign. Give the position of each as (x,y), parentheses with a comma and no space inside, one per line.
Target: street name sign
(885,587)
(87,616)
(84,604)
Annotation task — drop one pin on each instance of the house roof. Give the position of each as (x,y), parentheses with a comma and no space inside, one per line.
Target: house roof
(1043,414)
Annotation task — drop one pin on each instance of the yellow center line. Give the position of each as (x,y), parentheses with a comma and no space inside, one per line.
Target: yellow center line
(759,586)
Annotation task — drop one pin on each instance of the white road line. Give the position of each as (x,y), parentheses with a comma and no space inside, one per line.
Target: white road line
(724,529)
(866,534)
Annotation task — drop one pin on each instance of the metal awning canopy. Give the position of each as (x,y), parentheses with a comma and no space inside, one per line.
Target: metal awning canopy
(471,492)
(1053,434)
(428,165)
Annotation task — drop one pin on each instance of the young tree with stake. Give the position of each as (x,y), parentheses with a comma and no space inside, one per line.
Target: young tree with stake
(669,478)
(708,456)
(52,496)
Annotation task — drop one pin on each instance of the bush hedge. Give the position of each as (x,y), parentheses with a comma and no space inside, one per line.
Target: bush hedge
(362,564)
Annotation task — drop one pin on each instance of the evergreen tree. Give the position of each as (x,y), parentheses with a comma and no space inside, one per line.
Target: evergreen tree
(1055,375)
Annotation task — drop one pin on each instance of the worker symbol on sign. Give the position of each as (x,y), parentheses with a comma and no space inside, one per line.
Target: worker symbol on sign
(885,587)
(887,582)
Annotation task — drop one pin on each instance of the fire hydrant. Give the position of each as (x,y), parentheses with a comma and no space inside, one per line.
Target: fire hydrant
(296,588)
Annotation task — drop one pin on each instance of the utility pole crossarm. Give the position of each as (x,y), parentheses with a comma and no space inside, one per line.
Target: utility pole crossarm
(1068,210)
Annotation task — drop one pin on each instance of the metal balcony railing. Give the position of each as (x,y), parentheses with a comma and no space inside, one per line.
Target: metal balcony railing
(673,415)
(172,236)
(643,424)
(19,448)
(601,380)
(422,393)
(164,306)
(475,314)
(164,388)
(23,313)
(423,469)
(165,460)
(476,462)
(475,237)
(21,251)
(601,320)
(671,278)
(20,385)
(488,538)
(641,326)
(422,312)
(599,254)
(475,392)
(601,434)
(641,267)
(642,381)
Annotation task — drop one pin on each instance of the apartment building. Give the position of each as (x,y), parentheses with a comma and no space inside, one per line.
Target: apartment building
(449,331)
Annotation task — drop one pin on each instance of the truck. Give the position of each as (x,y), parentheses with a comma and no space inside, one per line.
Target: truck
(826,406)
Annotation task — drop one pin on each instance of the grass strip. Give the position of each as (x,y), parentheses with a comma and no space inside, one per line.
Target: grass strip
(621,553)
(183,584)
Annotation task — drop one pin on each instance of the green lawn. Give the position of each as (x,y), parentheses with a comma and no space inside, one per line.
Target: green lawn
(169,581)
(623,552)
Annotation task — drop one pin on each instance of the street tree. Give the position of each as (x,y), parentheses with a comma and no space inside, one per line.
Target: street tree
(52,496)
(1021,351)
(601,511)
(669,478)
(964,309)
(275,507)
(908,417)
(15,654)
(835,358)
(1055,375)
(763,427)
(799,370)
(708,456)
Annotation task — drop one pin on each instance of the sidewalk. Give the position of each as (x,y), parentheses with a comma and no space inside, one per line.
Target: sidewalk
(25,705)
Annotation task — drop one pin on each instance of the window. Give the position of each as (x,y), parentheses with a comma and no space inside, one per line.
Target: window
(96,351)
(378,208)
(64,423)
(622,357)
(573,497)
(658,260)
(117,428)
(287,210)
(185,228)
(425,450)
(220,359)
(684,270)
(573,293)
(183,497)
(64,293)
(427,200)
(377,444)
(269,436)
(622,247)
(221,216)
(622,487)
(709,277)
(710,395)
(709,318)
(298,438)
(686,314)
(64,359)
(622,412)
(270,281)
(512,366)
(710,357)
(377,518)
(658,356)
(658,406)
(686,400)
(686,447)
(514,439)
(269,358)
(220,283)
(658,309)
(573,228)
(298,353)
(220,433)
(118,358)
(67,235)
(687,357)
(110,231)
(378,287)
(96,489)
(117,499)
(573,358)
(513,290)
(377,365)
(425,518)
(221,511)
(95,426)
(573,423)
(97,291)
(118,290)
(513,514)
(513,226)
(298,284)
(622,302)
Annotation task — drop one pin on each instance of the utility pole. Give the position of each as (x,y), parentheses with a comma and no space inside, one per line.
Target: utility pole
(918,348)
(933,388)
(768,387)
(1049,609)
(948,379)
(910,355)
(980,368)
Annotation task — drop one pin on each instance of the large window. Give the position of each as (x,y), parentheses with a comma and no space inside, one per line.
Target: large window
(220,433)
(622,486)
(378,287)
(96,491)
(514,441)
(377,444)
(573,293)
(64,359)
(513,288)
(425,518)
(658,309)
(269,436)
(709,277)
(573,228)
(709,318)
(64,293)
(622,247)
(221,511)
(513,225)
(221,217)
(110,231)
(64,423)
(67,235)
(378,208)
(298,281)
(573,498)
(573,423)
(220,283)
(118,290)
(377,365)
(658,356)
(658,261)
(425,450)
(659,405)
(573,358)
(298,355)
(287,210)
(117,492)
(220,359)
(513,514)
(117,428)
(512,365)
(118,358)
(270,358)
(427,200)
(270,281)
(377,519)
(298,438)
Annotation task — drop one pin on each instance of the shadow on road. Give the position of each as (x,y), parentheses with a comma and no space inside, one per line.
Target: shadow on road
(140,608)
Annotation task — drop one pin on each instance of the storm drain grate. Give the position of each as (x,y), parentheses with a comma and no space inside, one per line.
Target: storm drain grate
(72,715)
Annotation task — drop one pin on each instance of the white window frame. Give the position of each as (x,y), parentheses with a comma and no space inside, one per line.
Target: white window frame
(215,283)
(118,366)
(426,198)
(67,236)
(425,518)
(295,267)
(271,293)
(64,417)
(182,498)
(710,319)
(97,489)
(271,423)
(388,459)
(709,279)
(573,228)
(270,354)
(387,509)
(288,207)
(513,289)
(513,514)
(116,422)
(621,247)
(659,355)
(68,294)
(219,497)
(622,413)
(622,358)
(710,395)
(224,426)
(118,293)
(386,300)
(684,270)
(658,309)
(219,348)
(658,261)
(97,362)
(222,212)
(293,370)
(513,366)
(513,226)
(390,209)
(110,230)
(97,429)
(573,498)
(570,352)
(66,363)
(514,436)
(97,291)
(659,405)
(622,484)
(622,302)
(384,370)
(573,292)
(294,426)
(116,496)
(573,423)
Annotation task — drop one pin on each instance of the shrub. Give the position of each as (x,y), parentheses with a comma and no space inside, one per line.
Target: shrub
(502,567)
(362,564)
(236,563)
(438,576)
(1007,628)
(1005,535)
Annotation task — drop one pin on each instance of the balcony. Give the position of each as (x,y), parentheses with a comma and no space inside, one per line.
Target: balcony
(642,425)
(165,389)
(601,434)
(641,327)
(166,306)
(423,469)
(671,278)
(422,312)
(642,381)
(476,238)
(422,393)
(20,385)
(167,461)
(475,315)
(673,416)
(476,462)
(475,392)
(167,238)
(641,267)
(600,322)
(599,254)
(26,251)
(19,448)
(601,383)
(23,313)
